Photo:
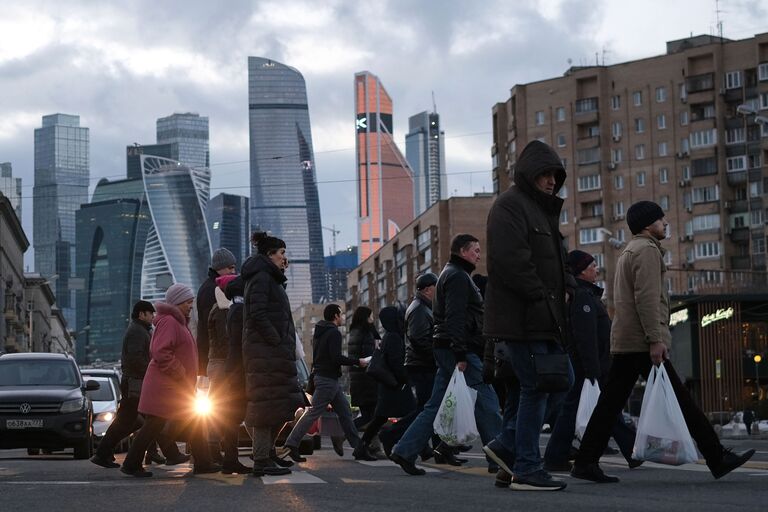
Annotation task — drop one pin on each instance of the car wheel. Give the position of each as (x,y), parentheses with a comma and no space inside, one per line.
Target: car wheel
(33,451)
(84,449)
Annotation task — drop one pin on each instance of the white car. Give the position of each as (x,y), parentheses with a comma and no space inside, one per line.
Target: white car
(104,402)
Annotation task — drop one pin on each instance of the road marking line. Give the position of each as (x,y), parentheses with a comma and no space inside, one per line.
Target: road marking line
(389,464)
(47,483)
(297,477)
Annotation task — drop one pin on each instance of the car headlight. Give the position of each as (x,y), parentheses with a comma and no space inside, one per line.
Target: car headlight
(105,416)
(73,405)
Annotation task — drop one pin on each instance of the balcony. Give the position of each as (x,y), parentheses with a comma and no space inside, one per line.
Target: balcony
(741,263)
(740,235)
(758,262)
(737,178)
(718,282)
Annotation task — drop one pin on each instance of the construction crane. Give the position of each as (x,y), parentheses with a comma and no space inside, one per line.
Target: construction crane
(334,232)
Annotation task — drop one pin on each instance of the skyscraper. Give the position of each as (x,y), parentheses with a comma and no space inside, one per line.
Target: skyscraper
(284,199)
(229,225)
(10,187)
(425,152)
(61,186)
(384,179)
(188,135)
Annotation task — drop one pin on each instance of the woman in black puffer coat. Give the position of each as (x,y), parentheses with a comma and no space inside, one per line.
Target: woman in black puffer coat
(362,388)
(269,351)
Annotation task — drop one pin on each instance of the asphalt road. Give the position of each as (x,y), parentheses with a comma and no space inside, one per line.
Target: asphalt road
(328,482)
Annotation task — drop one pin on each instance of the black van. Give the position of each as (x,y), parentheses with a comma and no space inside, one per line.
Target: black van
(43,403)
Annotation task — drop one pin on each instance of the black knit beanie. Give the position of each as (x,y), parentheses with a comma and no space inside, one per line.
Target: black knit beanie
(642,214)
(578,261)
(266,244)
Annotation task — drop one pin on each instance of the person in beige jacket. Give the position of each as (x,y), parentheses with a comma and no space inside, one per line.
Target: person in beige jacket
(640,338)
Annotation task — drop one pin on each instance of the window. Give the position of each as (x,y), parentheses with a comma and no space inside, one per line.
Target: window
(756,218)
(594,209)
(616,130)
(684,118)
(683,93)
(663,175)
(733,79)
(620,235)
(706,194)
(539,118)
(640,152)
(703,138)
(704,166)
(700,83)
(615,102)
(664,203)
(706,222)
(687,201)
(618,210)
(563,216)
(589,236)
(560,114)
(637,98)
(640,178)
(639,125)
(756,189)
(706,250)
(762,71)
(736,163)
(563,192)
(561,140)
(591,182)
(616,155)
(763,100)
(685,146)
(588,156)
(618,182)
(661,122)
(662,149)
(661,94)
(586,105)
(599,260)
(668,258)
(758,245)
(735,136)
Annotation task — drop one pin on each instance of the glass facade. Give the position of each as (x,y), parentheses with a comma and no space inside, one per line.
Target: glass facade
(229,225)
(284,198)
(61,186)
(425,152)
(188,134)
(10,187)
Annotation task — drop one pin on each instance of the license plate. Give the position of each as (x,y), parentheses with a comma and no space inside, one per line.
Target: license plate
(24,423)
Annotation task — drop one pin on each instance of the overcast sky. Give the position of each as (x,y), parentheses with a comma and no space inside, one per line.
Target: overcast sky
(121,65)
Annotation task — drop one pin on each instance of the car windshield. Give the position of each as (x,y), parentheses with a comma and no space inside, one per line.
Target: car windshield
(103,394)
(38,372)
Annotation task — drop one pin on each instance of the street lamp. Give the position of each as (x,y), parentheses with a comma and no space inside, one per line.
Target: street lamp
(757,360)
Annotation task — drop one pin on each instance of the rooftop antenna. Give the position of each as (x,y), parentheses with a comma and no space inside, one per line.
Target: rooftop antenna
(434,105)
(717,18)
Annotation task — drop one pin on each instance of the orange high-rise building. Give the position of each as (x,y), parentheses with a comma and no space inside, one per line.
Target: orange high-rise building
(384,179)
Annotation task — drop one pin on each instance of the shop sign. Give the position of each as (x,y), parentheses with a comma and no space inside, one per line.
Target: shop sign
(678,317)
(720,314)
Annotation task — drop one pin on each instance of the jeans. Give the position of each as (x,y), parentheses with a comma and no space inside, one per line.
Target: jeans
(565,427)
(618,386)
(522,430)
(327,391)
(487,414)
(421,383)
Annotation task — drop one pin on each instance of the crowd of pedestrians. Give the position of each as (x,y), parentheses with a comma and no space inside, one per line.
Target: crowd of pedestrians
(532,332)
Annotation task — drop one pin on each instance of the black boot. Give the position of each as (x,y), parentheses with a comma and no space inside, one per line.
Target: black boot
(729,462)
(361,452)
(155,457)
(283,463)
(265,467)
(444,455)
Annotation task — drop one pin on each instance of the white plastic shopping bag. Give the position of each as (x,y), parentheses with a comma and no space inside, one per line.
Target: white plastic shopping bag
(587,402)
(455,421)
(662,435)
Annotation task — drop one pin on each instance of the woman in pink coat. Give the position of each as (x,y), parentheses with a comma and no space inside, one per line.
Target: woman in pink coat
(168,390)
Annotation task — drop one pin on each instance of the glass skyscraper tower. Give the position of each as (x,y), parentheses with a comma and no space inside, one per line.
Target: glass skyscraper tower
(61,186)
(425,152)
(284,198)
(188,135)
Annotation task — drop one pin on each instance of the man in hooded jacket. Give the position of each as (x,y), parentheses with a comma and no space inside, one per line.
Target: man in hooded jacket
(525,302)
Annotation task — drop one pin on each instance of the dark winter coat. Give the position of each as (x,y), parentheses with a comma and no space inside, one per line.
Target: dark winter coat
(394,402)
(135,356)
(362,388)
(234,365)
(590,329)
(525,296)
(420,326)
(218,341)
(269,348)
(458,310)
(204,301)
(327,358)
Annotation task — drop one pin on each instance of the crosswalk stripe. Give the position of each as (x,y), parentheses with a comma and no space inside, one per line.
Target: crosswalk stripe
(390,464)
(296,477)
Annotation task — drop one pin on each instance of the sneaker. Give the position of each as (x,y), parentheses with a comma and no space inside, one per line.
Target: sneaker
(268,468)
(537,481)
(500,455)
(173,461)
(138,472)
(503,479)
(493,468)
(290,451)
(155,457)
(361,452)
(240,469)
(408,466)
(593,473)
(338,445)
(553,467)
(729,462)
(206,468)
(104,462)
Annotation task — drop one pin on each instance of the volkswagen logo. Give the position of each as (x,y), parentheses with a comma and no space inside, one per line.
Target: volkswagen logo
(25,408)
